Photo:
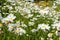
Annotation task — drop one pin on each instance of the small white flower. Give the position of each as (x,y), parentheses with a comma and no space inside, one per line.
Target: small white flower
(50,34)
(23,25)
(58,1)
(11,26)
(33,30)
(57,32)
(44,11)
(10,8)
(19,31)
(30,15)
(56,25)
(11,17)
(54,5)
(27,10)
(5,20)
(34,18)
(27,34)
(43,26)
(42,38)
(10,0)
(17,23)
(51,39)
(32,0)
(31,23)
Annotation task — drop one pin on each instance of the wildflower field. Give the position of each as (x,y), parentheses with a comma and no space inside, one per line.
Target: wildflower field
(29,20)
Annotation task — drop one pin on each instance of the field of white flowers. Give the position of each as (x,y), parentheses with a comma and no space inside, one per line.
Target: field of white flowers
(25,20)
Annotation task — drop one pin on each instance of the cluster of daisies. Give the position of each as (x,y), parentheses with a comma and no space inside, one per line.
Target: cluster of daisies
(23,17)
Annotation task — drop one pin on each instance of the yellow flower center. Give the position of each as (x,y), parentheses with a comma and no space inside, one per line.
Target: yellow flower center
(43,27)
(6,21)
(17,31)
(10,18)
(11,26)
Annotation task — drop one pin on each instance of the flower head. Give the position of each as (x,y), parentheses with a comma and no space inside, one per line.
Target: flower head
(43,26)
(5,20)
(56,25)
(19,31)
(11,26)
(50,34)
(11,17)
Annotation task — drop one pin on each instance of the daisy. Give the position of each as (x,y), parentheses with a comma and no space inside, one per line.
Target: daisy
(58,1)
(11,17)
(17,23)
(56,25)
(10,0)
(44,11)
(33,30)
(50,34)
(43,26)
(5,20)
(19,31)
(11,26)
(23,25)
(30,15)
(57,32)
(31,23)
(10,8)
(27,10)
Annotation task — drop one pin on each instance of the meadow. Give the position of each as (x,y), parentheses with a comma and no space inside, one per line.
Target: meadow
(27,20)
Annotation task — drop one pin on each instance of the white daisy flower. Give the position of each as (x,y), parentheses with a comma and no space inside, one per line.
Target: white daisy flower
(10,0)
(10,8)
(56,25)
(27,10)
(5,20)
(17,23)
(19,31)
(50,34)
(31,23)
(58,1)
(51,39)
(30,15)
(33,30)
(57,32)
(44,11)
(11,26)
(11,17)
(43,26)
(23,25)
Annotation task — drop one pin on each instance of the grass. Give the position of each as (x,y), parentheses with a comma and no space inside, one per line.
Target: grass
(5,34)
